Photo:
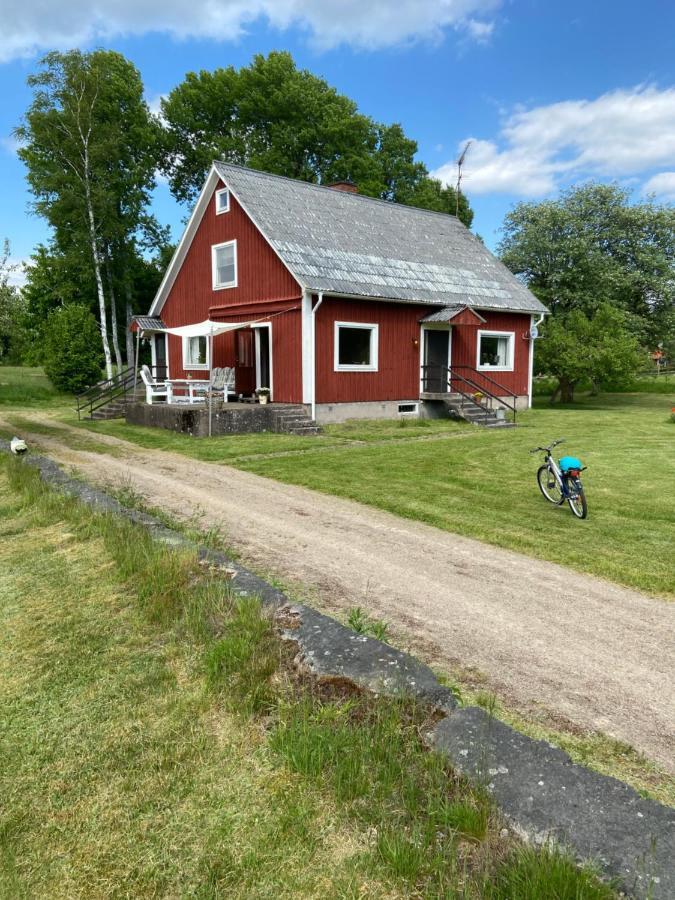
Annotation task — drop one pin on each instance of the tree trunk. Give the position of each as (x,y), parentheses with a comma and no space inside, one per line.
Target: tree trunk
(103,320)
(131,361)
(567,390)
(113,317)
(555,393)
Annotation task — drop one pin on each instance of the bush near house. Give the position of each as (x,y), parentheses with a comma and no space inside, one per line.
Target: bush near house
(72,349)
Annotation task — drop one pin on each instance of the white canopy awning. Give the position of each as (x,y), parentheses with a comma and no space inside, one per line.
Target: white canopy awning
(207,328)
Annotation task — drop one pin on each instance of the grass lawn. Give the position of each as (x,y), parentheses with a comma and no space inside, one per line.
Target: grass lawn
(155,743)
(476,482)
(26,386)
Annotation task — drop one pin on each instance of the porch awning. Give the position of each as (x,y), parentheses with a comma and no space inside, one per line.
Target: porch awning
(448,313)
(208,328)
(147,324)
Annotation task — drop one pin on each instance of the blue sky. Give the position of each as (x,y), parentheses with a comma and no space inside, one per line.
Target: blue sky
(551,93)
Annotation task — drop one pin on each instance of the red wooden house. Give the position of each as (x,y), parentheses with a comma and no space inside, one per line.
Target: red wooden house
(360,307)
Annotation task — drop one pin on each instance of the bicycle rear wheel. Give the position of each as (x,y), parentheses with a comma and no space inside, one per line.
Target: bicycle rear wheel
(576,498)
(548,485)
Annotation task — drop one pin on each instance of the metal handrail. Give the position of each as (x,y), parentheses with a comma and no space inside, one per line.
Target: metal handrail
(453,375)
(482,374)
(104,392)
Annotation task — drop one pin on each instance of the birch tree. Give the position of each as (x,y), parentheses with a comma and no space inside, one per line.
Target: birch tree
(88,141)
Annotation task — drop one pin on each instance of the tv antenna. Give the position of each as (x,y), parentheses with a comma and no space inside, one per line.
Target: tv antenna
(460,163)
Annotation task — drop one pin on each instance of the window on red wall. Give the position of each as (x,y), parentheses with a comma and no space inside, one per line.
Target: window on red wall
(355,347)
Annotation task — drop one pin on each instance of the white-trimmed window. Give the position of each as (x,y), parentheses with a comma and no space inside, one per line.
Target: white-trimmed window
(196,352)
(224,265)
(495,350)
(222,201)
(355,347)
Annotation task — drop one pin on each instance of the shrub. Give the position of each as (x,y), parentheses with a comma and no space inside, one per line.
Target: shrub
(73,357)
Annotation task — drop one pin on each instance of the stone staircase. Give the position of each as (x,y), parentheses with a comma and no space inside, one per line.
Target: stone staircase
(115,409)
(293,419)
(475,413)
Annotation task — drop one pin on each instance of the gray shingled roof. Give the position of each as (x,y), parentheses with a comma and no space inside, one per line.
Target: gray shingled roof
(345,243)
(447,313)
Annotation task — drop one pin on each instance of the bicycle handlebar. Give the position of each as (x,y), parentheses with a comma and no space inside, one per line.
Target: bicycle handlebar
(548,449)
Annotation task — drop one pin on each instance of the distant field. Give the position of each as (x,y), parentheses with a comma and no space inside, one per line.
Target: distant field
(26,386)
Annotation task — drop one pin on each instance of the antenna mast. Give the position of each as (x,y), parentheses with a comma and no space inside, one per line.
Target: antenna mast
(460,163)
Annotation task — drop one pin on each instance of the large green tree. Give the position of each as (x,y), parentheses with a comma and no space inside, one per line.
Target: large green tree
(592,246)
(576,346)
(90,145)
(275,117)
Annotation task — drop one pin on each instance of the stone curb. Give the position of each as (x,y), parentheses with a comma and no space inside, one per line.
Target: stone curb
(541,792)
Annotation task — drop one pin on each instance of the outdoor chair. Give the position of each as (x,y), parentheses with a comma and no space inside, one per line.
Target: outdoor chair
(154,388)
(222,383)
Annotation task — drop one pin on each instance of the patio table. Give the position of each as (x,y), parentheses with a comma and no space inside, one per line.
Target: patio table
(193,386)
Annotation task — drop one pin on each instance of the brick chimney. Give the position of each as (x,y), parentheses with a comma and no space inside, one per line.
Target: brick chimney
(348,186)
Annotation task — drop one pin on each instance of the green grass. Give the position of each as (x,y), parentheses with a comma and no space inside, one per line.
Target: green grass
(483,485)
(25,386)
(155,742)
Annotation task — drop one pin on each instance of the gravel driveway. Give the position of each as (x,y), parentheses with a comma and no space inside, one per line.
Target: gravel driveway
(545,637)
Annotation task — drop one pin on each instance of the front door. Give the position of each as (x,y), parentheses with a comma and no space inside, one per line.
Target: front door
(244,362)
(263,372)
(436,357)
(160,370)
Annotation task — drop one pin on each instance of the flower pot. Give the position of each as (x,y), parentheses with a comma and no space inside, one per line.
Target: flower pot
(262,399)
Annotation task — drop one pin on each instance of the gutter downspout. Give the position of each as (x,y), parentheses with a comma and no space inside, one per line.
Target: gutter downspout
(533,324)
(313,364)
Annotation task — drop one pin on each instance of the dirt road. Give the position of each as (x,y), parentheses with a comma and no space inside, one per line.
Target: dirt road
(547,638)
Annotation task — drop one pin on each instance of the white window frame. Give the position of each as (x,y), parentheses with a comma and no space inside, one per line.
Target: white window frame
(187,366)
(214,266)
(511,335)
(218,194)
(374,329)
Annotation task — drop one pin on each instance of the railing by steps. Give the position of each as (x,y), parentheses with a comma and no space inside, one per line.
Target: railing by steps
(105,392)
(455,382)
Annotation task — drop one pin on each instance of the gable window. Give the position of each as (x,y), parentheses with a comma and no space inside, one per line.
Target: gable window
(222,201)
(355,347)
(224,265)
(495,350)
(195,352)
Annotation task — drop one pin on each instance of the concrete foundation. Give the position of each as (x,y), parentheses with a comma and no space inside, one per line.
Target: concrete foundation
(231,418)
(330,413)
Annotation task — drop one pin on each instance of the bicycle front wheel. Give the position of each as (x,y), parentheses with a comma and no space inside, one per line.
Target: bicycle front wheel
(576,498)
(548,485)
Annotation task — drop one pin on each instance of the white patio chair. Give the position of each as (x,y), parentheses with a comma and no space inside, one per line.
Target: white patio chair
(154,388)
(222,383)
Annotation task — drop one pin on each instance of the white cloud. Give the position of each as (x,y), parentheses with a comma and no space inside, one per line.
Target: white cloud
(16,271)
(620,134)
(10,145)
(663,185)
(28,28)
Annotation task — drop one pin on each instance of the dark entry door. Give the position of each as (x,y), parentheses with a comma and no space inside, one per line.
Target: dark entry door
(161,370)
(245,362)
(436,350)
(263,358)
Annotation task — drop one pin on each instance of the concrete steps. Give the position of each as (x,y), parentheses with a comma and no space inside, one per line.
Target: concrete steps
(294,420)
(476,414)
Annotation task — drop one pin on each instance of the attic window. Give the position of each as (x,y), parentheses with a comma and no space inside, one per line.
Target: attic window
(355,347)
(222,201)
(224,265)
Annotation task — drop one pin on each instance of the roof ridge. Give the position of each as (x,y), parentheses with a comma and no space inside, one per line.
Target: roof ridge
(355,195)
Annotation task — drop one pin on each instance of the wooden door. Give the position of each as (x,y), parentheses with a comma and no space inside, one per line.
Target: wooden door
(436,353)
(244,362)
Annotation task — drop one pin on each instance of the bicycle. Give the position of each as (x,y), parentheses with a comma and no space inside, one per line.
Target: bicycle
(560,482)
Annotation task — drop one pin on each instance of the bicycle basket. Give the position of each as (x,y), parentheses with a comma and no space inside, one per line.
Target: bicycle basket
(570,465)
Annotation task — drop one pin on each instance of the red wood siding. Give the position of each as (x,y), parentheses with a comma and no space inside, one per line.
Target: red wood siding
(465,349)
(264,285)
(398,375)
